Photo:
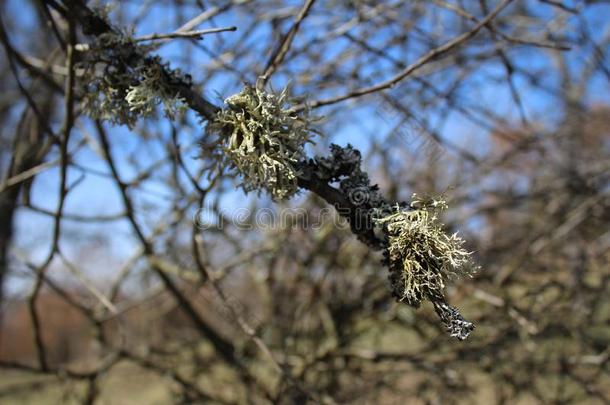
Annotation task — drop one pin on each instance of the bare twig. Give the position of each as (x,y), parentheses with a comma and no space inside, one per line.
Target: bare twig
(184,34)
(63,191)
(277,57)
(428,57)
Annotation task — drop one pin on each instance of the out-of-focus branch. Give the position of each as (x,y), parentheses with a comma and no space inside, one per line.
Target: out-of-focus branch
(65,132)
(428,57)
(224,347)
(277,57)
(183,34)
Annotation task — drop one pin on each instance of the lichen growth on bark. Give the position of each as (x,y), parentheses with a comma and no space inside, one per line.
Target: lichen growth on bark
(263,140)
(125,83)
(420,255)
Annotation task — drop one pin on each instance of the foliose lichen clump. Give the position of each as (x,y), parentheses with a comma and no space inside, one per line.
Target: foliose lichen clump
(263,140)
(421,257)
(125,83)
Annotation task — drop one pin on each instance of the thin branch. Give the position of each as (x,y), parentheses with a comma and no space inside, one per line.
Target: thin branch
(558,4)
(249,330)
(183,34)
(278,56)
(63,191)
(28,174)
(88,284)
(224,347)
(490,27)
(206,15)
(431,55)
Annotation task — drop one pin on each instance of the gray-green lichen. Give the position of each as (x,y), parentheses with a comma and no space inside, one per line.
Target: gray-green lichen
(420,255)
(263,140)
(151,91)
(125,83)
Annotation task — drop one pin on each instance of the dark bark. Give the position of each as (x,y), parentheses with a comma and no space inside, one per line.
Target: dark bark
(28,151)
(8,202)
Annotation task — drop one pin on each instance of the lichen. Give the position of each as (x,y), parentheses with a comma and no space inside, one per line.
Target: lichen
(124,83)
(421,257)
(152,91)
(263,140)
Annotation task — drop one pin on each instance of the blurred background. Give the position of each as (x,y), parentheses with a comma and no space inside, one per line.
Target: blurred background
(150,278)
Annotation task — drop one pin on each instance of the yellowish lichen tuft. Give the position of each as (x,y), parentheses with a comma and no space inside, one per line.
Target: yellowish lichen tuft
(263,140)
(420,255)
